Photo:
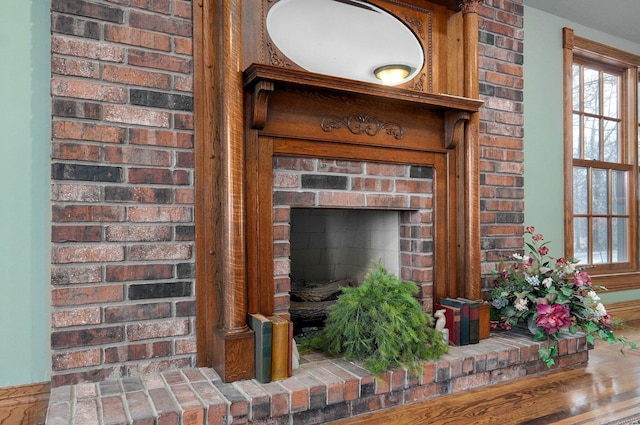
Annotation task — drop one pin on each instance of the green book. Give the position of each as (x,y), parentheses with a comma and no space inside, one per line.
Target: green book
(263,330)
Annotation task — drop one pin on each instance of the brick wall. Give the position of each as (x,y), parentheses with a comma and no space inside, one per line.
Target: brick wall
(501,62)
(122,188)
(122,269)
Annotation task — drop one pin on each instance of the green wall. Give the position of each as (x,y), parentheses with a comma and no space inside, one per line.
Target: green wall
(543,124)
(24,206)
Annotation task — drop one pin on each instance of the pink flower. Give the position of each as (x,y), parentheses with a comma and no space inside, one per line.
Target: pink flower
(529,229)
(560,262)
(537,237)
(552,317)
(606,322)
(543,250)
(582,279)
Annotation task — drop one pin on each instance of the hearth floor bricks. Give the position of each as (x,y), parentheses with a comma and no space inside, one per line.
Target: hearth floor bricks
(321,390)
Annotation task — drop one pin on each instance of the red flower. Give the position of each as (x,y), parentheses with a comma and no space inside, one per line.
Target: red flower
(543,250)
(552,317)
(582,279)
(560,262)
(529,229)
(606,322)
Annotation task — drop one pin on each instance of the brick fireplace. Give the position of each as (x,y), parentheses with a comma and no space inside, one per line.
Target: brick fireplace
(311,183)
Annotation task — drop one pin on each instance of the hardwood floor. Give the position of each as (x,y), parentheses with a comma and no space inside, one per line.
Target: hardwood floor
(606,390)
(24,405)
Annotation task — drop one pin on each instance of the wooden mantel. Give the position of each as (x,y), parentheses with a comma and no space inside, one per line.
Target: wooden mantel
(233,112)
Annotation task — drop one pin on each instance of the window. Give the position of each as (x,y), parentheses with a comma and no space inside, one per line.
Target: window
(601,165)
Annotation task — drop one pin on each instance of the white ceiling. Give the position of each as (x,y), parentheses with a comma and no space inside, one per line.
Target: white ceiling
(620,18)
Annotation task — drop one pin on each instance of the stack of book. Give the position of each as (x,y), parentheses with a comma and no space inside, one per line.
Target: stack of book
(467,320)
(273,347)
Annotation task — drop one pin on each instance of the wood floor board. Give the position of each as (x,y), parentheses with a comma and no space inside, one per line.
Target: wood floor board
(606,390)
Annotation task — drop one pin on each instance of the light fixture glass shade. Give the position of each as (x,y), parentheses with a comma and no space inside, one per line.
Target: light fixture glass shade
(392,74)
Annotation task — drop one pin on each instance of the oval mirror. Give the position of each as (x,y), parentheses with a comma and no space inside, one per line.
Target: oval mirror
(345,38)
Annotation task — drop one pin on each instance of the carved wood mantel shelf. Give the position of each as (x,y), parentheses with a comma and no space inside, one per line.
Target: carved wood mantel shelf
(262,79)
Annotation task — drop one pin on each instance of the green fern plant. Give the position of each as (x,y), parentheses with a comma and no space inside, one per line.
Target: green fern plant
(381,323)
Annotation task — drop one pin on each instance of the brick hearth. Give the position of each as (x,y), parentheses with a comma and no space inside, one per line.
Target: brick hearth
(321,390)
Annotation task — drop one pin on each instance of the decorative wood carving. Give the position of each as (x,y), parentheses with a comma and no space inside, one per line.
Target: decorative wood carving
(361,124)
(454,127)
(260,101)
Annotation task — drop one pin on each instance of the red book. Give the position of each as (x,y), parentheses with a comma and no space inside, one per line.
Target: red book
(452,314)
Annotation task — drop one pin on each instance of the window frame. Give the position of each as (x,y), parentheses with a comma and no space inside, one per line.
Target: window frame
(623,275)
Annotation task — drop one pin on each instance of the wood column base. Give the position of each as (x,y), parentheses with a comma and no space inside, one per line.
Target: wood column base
(233,354)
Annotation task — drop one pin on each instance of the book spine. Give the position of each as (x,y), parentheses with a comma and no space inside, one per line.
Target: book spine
(280,348)
(262,329)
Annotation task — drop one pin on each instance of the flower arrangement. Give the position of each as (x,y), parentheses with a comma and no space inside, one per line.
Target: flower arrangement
(549,295)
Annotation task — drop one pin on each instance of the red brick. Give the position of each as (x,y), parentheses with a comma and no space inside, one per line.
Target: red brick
(86,412)
(71,274)
(159,252)
(162,24)
(341,199)
(217,406)
(81,89)
(87,213)
(136,37)
(75,192)
(136,312)
(165,328)
(184,84)
(128,233)
(168,411)
(76,317)
(76,234)
(139,408)
(165,214)
(183,9)
(87,49)
(86,254)
(298,395)
(183,46)
(76,359)
(185,346)
(135,77)
(376,169)
(161,61)
(184,196)
(125,155)
(372,184)
(63,150)
(185,159)
(158,176)
(113,411)
(75,67)
(138,116)
(140,136)
(86,295)
(183,121)
(387,201)
(160,6)
(88,132)
(86,337)
(122,273)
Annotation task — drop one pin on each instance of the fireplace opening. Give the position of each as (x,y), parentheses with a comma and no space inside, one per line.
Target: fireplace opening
(334,248)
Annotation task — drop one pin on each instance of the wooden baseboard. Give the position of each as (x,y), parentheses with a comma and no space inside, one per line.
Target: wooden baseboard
(24,404)
(624,310)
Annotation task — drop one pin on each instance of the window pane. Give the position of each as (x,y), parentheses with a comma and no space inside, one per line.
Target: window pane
(619,235)
(580,191)
(600,253)
(581,239)
(611,141)
(576,87)
(591,91)
(591,138)
(577,137)
(619,187)
(600,189)
(610,95)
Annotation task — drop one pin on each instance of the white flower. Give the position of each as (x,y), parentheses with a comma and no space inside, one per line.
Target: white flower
(547,282)
(521,304)
(593,297)
(517,256)
(601,310)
